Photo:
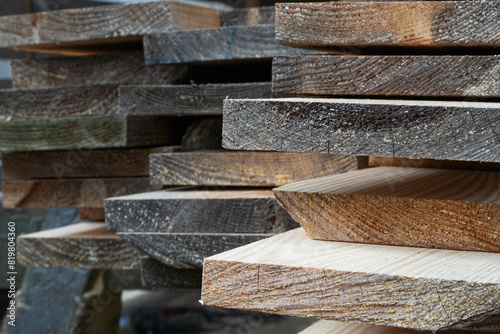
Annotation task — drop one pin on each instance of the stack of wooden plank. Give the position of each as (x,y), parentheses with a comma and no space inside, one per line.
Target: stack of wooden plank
(411,244)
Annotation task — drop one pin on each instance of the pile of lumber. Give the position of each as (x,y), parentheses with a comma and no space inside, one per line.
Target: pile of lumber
(413,241)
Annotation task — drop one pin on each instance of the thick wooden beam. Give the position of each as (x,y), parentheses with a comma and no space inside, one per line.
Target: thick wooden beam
(101,29)
(388,128)
(219,44)
(421,289)
(203,134)
(187,250)
(70,193)
(248,16)
(429,163)
(124,68)
(80,163)
(419,207)
(191,211)
(428,76)
(84,245)
(156,275)
(256,169)
(186,99)
(359,25)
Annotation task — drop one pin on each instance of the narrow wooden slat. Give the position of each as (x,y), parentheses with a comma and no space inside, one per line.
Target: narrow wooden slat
(84,245)
(219,44)
(157,275)
(191,211)
(203,134)
(69,193)
(419,207)
(423,24)
(429,76)
(248,16)
(388,128)
(228,168)
(429,163)
(421,289)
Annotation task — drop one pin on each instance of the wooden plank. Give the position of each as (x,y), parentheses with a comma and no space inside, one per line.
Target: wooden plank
(388,128)
(257,169)
(388,24)
(101,29)
(91,214)
(186,99)
(187,250)
(68,133)
(192,211)
(156,275)
(248,16)
(290,274)
(114,69)
(70,193)
(80,163)
(203,134)
(419,207)
(429,76)
(220,44)
(429,163)
(84,245)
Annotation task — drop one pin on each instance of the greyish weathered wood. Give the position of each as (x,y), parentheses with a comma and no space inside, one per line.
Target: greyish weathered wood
(220,44)
(186,99)
(427,76)
(156,275)
(405,129)
(203,134)
(123,68)
(190,211)
(187,250)
(84,245)
(256,169)
(429,163)
(356,26)
(248,16)
(101,29)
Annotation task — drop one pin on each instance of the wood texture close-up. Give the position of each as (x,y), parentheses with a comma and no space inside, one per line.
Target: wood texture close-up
(84,245)
(426,76)
(248,16)
(198,211)
(419,207)
(203,134)
(254,169)
(388,128)
(356,26)
(421,289)
(156,275)
(429,163)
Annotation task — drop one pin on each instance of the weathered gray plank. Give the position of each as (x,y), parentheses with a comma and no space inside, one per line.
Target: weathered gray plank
(156,275)
(248,16)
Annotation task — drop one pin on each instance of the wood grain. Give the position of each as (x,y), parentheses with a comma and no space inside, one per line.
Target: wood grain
(203,134)
(219,44)
(91,214)
(186,99)
(70,193)
(115,69)
(388,128)
(256,169)
(426,24)
(80,163)
(94,29)
(429,163)
(84,245)
(248,16)
(156,275)
(429,76)
(192,211)
(187,250)
(419,207)
(421,289)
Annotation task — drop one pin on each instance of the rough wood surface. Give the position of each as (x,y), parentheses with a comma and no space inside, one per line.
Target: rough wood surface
(203,134)
(99,29)
(419,207)
(191,211)
(220,44)
(426,24)
(69,133)
(290,274)
(186,99)
(248,16)
(70,193)
(388,128)
(79,163)
(187,250)
(156,275)
(257,169)
(91,214)
(429,163)
(429,76)
(84,245)
(123,68)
